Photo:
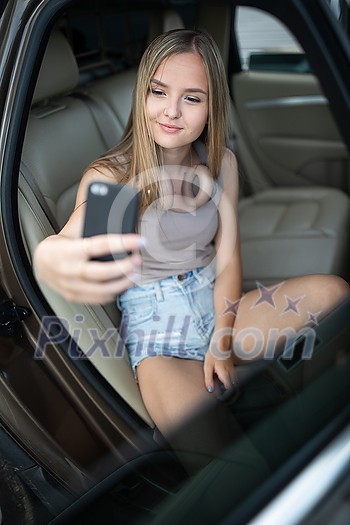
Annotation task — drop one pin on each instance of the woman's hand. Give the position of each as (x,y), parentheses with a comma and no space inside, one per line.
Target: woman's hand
(219,362)
(65,264)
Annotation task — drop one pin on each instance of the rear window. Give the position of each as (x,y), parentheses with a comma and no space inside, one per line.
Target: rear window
(266,44)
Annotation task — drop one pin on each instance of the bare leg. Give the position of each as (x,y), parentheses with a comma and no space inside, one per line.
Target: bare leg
(291,305)
(173,389)
(174,393)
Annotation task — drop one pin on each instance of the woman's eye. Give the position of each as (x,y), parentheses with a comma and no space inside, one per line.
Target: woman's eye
(193,100)
(157,92)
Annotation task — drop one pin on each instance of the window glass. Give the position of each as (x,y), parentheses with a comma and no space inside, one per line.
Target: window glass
(265,43)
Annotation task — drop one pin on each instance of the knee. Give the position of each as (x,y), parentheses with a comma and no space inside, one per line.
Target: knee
(334,290)
(341,288)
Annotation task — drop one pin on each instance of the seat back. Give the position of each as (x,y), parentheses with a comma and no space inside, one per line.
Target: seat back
(62,135)
(62,138)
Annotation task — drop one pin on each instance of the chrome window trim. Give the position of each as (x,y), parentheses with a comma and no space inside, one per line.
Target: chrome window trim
(314,100)
(291,507)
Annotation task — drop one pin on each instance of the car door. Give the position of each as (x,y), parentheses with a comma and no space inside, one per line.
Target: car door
(287,133)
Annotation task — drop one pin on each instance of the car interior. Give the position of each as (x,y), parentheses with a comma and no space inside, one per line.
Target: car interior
(294,216)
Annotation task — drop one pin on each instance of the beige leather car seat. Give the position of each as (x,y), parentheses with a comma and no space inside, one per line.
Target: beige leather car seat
(62,138)
(286,232)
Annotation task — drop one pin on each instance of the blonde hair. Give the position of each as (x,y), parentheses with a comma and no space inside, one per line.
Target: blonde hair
(137,157)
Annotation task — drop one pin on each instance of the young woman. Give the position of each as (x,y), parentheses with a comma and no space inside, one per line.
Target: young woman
(181,298)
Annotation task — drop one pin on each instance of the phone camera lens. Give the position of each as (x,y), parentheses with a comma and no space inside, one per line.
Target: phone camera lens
(100,189)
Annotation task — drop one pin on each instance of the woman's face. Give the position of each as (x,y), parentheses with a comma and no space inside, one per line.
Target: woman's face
(177,105)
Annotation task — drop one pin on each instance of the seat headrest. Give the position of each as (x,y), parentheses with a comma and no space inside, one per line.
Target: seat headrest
(171,20)
(59,72)
(164,21)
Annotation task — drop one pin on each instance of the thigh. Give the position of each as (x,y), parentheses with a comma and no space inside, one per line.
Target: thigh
(284,308)
(196,425)
(172,388)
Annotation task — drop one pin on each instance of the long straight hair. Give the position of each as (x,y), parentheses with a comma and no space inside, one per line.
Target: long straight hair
(137,158)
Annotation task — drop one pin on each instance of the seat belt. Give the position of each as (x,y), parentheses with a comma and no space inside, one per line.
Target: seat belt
(26,180)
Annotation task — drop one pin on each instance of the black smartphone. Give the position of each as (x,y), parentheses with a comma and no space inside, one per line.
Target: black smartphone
(111,208)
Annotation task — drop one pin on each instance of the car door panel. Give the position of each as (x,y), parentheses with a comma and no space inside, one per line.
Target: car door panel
(287,125)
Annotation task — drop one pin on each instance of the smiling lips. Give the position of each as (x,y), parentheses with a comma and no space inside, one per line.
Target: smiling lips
(169,128)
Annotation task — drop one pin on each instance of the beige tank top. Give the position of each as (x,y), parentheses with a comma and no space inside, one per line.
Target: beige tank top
(180,227)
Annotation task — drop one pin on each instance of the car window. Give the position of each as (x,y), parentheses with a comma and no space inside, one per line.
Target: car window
(266,44)
(291,136)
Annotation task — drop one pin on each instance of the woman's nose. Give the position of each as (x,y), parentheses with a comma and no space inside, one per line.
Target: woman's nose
(172,110)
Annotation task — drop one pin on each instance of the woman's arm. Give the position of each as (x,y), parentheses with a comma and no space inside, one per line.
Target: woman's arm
(228,284)
(63,261)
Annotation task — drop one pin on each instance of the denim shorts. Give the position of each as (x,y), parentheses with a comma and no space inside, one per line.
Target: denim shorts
(173,317)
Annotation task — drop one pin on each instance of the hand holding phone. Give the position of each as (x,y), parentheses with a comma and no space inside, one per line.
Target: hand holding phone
(111,208)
